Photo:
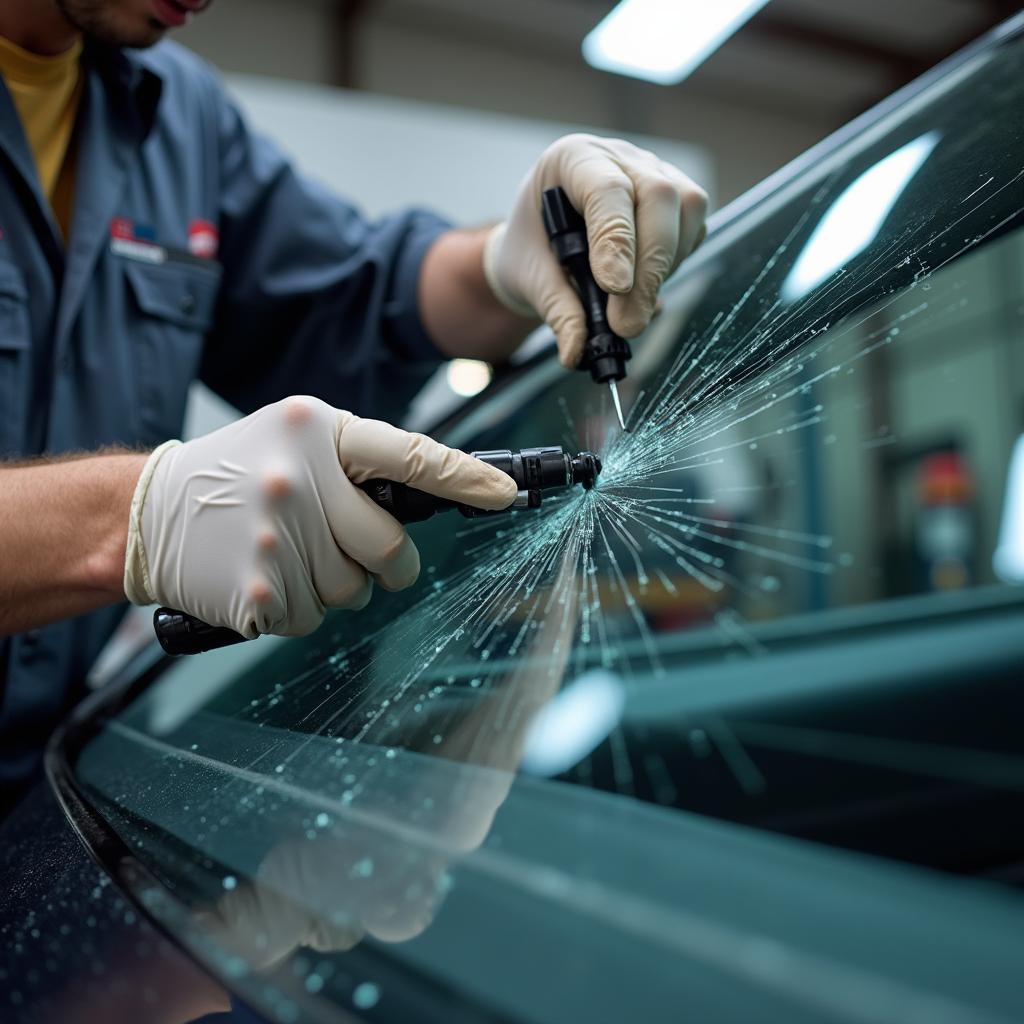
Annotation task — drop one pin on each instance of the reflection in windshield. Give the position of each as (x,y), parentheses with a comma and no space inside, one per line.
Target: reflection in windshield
(1008,560)
(853,221)
(573,723)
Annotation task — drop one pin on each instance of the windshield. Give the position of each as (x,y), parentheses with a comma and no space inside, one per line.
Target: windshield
(478,791)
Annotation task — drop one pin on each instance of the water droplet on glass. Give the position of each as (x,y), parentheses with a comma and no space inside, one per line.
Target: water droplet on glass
(363,868)
(365,996)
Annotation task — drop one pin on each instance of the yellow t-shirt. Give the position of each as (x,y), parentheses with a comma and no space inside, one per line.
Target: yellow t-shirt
(46,92)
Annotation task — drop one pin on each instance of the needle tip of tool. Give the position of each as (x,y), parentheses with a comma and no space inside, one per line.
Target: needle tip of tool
(618,406)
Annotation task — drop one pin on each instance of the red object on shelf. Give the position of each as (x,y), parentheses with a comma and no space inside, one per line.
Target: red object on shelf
(945,524)
(944,479)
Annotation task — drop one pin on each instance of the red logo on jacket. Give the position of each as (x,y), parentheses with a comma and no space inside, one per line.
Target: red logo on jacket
(203,239)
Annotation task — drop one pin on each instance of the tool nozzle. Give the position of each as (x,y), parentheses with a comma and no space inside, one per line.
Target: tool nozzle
(542,469)
(618,405)
(586,468)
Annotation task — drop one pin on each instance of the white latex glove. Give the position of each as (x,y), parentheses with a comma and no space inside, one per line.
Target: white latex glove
(643,217)
(260,525)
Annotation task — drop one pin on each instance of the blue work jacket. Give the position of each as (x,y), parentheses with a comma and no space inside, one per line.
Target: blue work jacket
(195,251)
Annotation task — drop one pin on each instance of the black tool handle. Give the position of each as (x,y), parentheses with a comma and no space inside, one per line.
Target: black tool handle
(605,353)
(181,633)
(405,503)
(533,470)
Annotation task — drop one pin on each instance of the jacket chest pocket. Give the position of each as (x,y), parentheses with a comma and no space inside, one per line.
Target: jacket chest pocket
(174,307)
(15,343)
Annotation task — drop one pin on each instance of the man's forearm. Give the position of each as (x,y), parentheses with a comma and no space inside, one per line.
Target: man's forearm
(458,307)
(63,530)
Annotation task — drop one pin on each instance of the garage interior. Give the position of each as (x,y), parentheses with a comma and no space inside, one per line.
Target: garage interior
(726,727)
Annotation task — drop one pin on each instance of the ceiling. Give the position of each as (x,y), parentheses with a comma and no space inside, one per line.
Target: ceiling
(798,70)
(826,61)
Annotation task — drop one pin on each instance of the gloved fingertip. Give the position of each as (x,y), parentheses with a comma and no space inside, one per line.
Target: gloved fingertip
(397,585)
(403,570)
(361,600)
(571,339)
(495,490)
(613,268)
(569,359)
(629,315)
(506,492)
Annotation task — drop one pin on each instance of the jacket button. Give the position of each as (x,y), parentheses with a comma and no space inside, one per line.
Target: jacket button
(187,303)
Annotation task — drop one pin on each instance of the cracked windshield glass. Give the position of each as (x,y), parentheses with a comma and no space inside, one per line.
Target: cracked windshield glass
(822,429)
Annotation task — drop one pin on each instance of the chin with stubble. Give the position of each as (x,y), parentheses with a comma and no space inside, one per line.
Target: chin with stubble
(131,23)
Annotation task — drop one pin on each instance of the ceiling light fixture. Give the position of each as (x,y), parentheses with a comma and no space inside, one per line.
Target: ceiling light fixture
(468,377)
(664,40)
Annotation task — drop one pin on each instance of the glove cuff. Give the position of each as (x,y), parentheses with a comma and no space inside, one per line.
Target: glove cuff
(138,587)
(491,245)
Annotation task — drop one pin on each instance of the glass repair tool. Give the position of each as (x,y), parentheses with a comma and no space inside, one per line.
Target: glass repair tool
(534,470)
(605,353)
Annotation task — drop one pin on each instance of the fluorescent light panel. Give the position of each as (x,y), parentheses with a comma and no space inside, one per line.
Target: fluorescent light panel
(664,40)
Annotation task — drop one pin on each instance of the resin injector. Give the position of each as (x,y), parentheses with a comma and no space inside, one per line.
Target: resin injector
(604,353)
(535,470)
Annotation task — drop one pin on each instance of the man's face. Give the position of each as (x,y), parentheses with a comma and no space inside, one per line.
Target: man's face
(134,23)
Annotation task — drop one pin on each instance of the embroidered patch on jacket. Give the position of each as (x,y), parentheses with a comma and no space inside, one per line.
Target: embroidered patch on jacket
(137,241)
(203,239)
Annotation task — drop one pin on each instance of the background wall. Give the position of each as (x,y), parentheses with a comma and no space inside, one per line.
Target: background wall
(298,42)
(385,152)
(798,70)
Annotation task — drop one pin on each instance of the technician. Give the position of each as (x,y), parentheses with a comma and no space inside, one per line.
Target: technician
(148,239)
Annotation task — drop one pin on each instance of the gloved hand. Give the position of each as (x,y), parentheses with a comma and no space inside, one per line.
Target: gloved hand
(260,525)
(643,217)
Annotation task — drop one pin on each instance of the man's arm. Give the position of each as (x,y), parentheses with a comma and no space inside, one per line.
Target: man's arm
(63,530)
(316,297)
(643,217)
(260,526)
(459,309)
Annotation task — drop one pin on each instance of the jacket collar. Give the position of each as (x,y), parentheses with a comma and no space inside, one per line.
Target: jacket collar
(119,107)
(133,86)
